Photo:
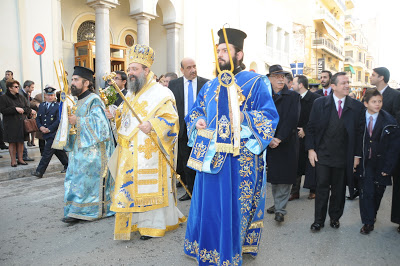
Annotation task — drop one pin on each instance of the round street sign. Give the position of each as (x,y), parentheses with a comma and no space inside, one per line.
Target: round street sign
(39,44)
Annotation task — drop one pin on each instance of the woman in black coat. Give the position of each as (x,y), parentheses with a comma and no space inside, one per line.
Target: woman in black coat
(15,109)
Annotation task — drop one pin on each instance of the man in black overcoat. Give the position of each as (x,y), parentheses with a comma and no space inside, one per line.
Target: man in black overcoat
(334,148)
(391,104)
(300,85)
(282,152)
(184,101)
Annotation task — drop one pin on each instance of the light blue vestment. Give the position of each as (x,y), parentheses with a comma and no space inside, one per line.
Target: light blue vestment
(227,208)
(89,151)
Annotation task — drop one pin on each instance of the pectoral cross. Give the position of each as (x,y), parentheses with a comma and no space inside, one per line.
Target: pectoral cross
(140,108)
(148,148)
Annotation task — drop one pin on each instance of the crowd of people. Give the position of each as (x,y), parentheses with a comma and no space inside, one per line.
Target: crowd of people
(223,140)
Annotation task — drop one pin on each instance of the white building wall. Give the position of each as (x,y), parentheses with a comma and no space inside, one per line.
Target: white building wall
(10,43)
(197,18)
(24,20)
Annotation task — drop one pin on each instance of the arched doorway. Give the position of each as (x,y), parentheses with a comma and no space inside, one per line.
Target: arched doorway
(85,48)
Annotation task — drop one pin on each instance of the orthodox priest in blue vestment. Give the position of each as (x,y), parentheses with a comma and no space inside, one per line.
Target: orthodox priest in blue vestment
(88,184)
(230,125)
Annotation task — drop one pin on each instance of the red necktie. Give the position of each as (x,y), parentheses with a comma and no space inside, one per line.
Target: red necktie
(326,93)
(370,123)
(339,108)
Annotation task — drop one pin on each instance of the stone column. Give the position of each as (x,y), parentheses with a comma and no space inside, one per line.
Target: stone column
(173,46)
(103,64)
(57,40)
(143,29)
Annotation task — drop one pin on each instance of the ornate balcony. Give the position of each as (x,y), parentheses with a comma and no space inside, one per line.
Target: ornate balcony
(328,46)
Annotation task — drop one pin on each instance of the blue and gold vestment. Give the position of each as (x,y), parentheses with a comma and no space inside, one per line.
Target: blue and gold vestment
(227,208)
(89,151)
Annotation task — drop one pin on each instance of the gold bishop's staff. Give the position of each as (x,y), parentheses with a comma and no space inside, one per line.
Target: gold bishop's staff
(111,77)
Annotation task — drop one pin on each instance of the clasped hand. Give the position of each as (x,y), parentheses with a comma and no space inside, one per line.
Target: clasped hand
(72,119)
(44,130)
(145,127)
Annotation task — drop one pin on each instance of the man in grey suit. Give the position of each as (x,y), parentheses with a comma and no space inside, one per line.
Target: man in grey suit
(391,104)
(185,90)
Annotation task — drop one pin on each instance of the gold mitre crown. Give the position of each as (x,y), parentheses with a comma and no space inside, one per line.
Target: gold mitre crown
(141,54)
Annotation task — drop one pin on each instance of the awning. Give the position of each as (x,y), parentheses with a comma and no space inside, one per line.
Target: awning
(349,68)
(330,30)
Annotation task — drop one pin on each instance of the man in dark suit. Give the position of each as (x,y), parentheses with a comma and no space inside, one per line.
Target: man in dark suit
(334,148)
(185,90)
(300,85)
(391,104)
(326,77)
(282,150)
(26,91)
(47,121)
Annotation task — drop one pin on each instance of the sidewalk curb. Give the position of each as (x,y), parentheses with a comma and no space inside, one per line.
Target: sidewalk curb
(9,173)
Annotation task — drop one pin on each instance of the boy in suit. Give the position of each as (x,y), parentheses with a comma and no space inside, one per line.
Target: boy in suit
(47,121)
(380,152)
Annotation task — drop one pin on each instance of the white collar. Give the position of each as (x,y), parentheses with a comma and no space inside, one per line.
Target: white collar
(337,99)
(374,116)
(384,89)
(185,80)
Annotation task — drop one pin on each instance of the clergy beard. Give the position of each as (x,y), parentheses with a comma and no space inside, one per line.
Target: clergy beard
(227,65)
(137,84)
(75,91)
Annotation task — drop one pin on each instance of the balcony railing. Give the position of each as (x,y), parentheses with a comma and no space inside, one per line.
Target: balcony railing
(332,21)
(323,42)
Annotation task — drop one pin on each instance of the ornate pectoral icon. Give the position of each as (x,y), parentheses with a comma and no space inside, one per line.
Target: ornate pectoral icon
(126,120)
(224,128)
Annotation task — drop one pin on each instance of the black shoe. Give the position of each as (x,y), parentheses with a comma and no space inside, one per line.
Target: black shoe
(22,163)
(335,224)
(145,237)
(64,171)
(271,210)
(28,159)
(69,220)
(3,147)
(1,156)
(398,229)
(29,144)
(279,217)
(366,229)
(185,197)
(37,174)
(355,195)
(178,184)
(315,227)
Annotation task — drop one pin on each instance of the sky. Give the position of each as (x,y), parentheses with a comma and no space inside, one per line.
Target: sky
(388,13)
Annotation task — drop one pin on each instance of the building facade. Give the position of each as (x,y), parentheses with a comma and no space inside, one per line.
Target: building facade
(99,34)
(173,28)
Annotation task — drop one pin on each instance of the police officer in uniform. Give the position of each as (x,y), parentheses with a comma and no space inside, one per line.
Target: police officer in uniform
(47,121)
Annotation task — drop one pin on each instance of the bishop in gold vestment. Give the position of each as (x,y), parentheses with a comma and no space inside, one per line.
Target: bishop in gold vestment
(144,197)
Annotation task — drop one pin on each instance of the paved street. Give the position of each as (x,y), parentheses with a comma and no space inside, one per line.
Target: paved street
(31,233)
